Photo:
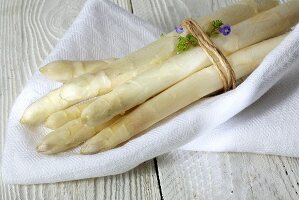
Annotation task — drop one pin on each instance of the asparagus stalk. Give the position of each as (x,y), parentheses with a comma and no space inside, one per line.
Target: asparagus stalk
(69,136)
(65,70)
(98,83)
(155,53)
(189,90)
(61,117)
(137,90)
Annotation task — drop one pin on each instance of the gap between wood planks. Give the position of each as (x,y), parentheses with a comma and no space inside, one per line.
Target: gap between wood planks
(155,159)
(158,177)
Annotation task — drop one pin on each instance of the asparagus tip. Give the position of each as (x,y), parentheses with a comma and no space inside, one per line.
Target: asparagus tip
(43,70)
(84,119)
(22,120)
(90,149)
(42,148)
(27,121)
(50,125)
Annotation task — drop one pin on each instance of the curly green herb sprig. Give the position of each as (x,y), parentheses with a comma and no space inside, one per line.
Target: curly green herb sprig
(185,43)
(214,28)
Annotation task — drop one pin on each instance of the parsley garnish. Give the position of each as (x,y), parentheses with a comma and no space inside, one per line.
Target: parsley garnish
(186,42)
(214,28)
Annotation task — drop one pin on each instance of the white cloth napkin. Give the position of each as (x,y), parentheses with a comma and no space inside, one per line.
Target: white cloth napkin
(104,30)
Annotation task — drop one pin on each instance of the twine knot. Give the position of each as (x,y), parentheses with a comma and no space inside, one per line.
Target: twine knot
(222,65)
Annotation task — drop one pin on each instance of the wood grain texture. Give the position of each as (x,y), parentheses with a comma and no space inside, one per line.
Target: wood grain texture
(139,183)
(167,14)
(195,175)
(29,30)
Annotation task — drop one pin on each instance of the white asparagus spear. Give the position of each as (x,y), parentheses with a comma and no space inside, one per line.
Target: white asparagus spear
(194,87)
(61,117)
(69,136)
(155,53)
(65,70)
(39,111)
(94,84)
(137,90)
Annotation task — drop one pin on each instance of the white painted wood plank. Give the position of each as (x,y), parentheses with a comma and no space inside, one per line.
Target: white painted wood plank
(29,30)
(126,4)
(195,175)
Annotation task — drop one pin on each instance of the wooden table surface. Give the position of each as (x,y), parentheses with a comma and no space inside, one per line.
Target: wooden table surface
(29,29)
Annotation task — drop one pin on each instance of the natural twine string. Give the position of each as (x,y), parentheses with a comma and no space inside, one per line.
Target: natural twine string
(223,67)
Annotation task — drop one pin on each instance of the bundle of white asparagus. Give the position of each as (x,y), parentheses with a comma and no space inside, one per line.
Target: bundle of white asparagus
(105,103)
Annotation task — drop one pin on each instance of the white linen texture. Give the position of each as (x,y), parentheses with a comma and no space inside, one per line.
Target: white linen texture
(260,115)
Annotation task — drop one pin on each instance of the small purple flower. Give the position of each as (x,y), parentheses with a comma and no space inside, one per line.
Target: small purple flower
(225,30)
(179,29)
